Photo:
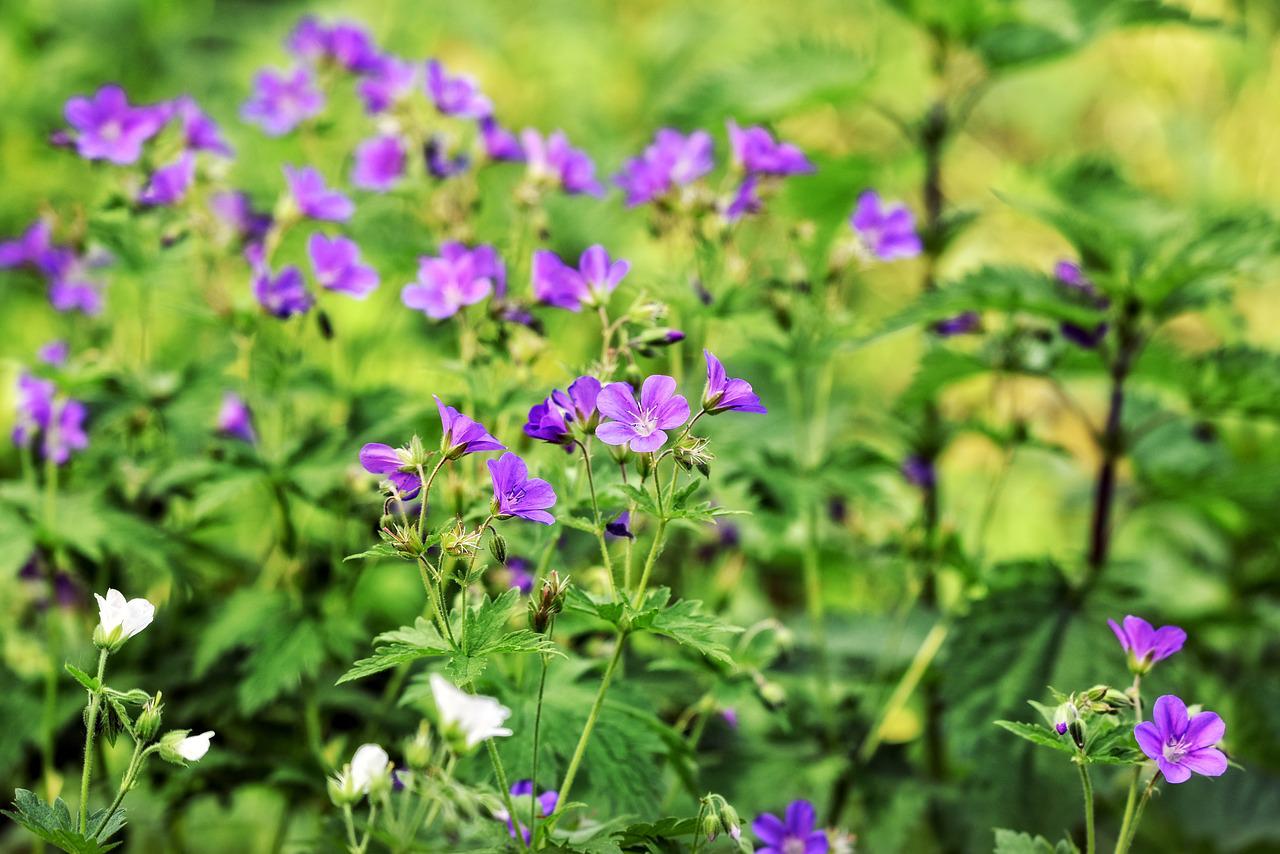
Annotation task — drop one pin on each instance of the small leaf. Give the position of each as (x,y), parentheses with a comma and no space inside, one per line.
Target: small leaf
(90,683)
(1039,735)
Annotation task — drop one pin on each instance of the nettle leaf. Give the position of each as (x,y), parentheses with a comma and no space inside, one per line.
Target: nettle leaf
(641,499)
(405,644)
(685,623)
(1004,289)
(940,368)
(1110,742)
(1039,735)
(241,621)
(1016,43)
(1013,842)
(580,601)
(54,824)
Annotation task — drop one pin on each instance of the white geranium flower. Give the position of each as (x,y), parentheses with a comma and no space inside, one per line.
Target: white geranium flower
(369,763)
(194,747)
(130,616)
(475,716)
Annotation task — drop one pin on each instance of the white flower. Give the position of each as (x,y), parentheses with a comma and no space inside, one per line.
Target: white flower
(477,717)
(130,617)
(194,747)
(370,762)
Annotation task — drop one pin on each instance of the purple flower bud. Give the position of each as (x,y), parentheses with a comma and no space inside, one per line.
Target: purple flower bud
(235,419)
(439,163)
(499,143)
(918,471)
(169,184)
(620,527)
(521,578)
(961,324)
(54,353)
(236,210)
(1061,727)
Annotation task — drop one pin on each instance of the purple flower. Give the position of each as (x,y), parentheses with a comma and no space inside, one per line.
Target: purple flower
(457,277)
(745,200)
(730,716)
(28,248)
(439,163)
(314,198)
(919,472)
(556,283)
(554,161)
(236,210)
(309,40)
(70,285)
(379,163)
(281,102)
(1060,727)
(54,353)
(457,95)
(1070,274)
(521,577)
(887,231)
(65,432)
(499,143)
(461,435)
(727,394)
(1081,336)
(517,494)
(109,128)
(671,160)
(378,458)
(1144,644)
(60,423)
(546,806)
(793,835)
(621,526)
(169,184)
(642,426)
(961,324)
(34,408)
(553,419)
(336,263)
(756,152)
(284,295)
(199,131)
(235,419)
(391,81)
(351,47)
(1180,744)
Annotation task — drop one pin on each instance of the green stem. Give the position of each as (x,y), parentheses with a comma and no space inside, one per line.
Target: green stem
(426,490)
(1130,829)
(599,525)
(91,725)
(501,774)
(352,844)
(817,612)
(368,828)
(1087,785)
(649,562)
(537,726)
(126,783)
(592,717)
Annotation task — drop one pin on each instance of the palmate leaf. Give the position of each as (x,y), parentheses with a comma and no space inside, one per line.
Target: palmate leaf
(1004,289)
(1013,842)
(685,623)
(405,644)
(54,824)
(278,664)
(486,635)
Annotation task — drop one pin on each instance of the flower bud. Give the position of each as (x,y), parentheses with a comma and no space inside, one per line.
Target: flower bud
(342,789)
(181,748)
(711,826)
(498,547)
(548,603)
(417,750)
(460,542)
(148,723)
(691,452)
(772,694)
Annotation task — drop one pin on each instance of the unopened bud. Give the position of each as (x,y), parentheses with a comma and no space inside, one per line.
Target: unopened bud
(417,750)
(342,788)
(460,542)
(148,723)
(548,602)
(498,547)
(691,453)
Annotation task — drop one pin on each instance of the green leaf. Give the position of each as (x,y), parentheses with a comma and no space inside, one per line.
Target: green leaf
(685,623)
(55,825)
(1015,43)
(486,636)
(90,683)
(406,644)
(1039,735)
(242,620)
(1012,842)
(380,550)
(279,664)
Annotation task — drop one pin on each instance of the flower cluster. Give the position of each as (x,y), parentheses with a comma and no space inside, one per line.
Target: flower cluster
(56,421)
(68,274)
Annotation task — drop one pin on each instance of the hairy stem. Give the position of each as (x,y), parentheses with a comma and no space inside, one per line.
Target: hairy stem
(90,731)
(599,525)
(1087,785)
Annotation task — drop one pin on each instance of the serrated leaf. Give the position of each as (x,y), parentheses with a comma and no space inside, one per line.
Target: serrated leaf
(486,635)
(1012,842)
(90,683)
(686,623)
(1039,735)
(406,644)
(55,825)
(279,664)
(380,550)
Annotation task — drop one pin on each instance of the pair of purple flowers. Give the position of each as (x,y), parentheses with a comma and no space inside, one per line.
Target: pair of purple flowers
(1180,743)
(589,284)
(638,423)
(458,277)
(57,422)
(68,274)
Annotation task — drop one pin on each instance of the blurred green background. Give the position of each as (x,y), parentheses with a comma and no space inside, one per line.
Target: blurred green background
(1193,116)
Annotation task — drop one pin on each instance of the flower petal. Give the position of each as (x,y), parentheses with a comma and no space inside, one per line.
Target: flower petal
(657,389)
(1149,739)
(1174,773)
(1170,716)
(1208,761)
(1205,730)
(801,816)
(770,828)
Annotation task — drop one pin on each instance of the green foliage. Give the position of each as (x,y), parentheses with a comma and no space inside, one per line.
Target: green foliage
(55,824)
(1012,842)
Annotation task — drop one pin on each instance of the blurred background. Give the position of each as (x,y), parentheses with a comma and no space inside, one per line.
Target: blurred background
(1190,114)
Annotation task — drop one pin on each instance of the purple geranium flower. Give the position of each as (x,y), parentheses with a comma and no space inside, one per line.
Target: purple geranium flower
(756,152)
(962,324)
(1070,274)
(553,419)
(461,435)
(499,143)
(199,131)
(439,163)
(546,806)
(793,835)
(283,295)
(521,577)
(621,526)
(457,95)
(745,200)
(65,432)
(1144,644)
(309,39)
(280,101)
(642,426)
(109,128)
(671,160)
(71,287)
(1181,744)
(54,353)
(34,408)
(313,196)
(391,81)
(378,458)
(887,231)
(517,494)
(351,47)
(556,283)
(727,394)
(236,210)
(552,160)
(457,277)
(235,419)
(29,247)
(169,184)
(380,163)
(336,263)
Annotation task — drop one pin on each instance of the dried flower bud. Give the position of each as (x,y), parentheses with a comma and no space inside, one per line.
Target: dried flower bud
(691,453)
(548,602)
(460,542)
(417,750)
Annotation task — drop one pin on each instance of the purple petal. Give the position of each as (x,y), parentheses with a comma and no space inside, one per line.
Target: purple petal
(1173,772)
(1208,761)
(615,433)
(1205,730)
(1170,716)
(617,401)
(378,458)
(801,817)
(770,828)
(1149,739)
